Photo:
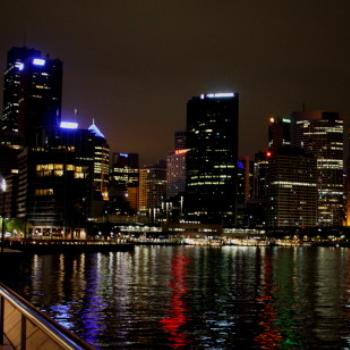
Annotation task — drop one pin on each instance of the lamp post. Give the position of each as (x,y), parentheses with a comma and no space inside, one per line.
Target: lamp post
(3,186)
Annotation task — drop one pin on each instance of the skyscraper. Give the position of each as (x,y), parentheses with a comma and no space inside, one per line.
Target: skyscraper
(212,140)
(292,191)
(101,161)
(322,134)
(176,167)
(124,182)
(257,205)
(32,96)
(245,181)
(152,189)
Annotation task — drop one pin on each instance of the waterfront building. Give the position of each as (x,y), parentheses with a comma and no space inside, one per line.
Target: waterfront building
(212,140)
(152,188)
(176,167)
(256,205)
(60,186)
(101,162)
(291,189)
(322,134)
(124,183)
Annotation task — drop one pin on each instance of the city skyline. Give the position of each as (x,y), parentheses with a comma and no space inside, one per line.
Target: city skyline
(174,174)
(111,71)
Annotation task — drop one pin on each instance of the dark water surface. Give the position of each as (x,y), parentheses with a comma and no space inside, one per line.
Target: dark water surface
(189,297)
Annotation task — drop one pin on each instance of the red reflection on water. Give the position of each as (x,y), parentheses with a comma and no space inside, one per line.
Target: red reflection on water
(177,311)
(270,337)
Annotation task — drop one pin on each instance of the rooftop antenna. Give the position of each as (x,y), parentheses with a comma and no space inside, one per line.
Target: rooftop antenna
(76,113)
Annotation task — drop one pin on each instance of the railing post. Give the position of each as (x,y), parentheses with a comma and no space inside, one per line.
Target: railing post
(23,333)
(1,319)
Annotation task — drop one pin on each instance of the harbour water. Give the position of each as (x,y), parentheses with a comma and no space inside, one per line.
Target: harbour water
(193,297)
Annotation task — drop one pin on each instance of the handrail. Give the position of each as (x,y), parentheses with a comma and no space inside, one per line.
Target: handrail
(63,337)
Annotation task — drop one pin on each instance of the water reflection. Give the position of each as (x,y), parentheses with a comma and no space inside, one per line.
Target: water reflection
(270,336)
(177,313)
(183,297)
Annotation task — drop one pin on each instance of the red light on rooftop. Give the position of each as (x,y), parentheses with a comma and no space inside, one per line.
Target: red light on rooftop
(268,154)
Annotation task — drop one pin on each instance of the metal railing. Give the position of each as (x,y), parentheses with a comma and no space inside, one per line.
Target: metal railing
(26,328)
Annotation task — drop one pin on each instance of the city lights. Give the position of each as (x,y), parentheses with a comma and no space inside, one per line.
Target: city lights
(181,151)
(3,185)
(39,61)
(19,65)
(220,95)
(68,125)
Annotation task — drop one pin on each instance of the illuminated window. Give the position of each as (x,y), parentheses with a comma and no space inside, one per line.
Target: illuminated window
(70,167)
(42,192)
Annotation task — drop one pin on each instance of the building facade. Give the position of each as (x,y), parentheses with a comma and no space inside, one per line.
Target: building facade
(32,96)
(152,188)
(212,140)
(291,189)
(57,189)
(176,167)
(124,182)
(322,134)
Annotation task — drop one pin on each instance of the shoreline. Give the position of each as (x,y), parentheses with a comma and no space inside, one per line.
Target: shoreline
(60,246)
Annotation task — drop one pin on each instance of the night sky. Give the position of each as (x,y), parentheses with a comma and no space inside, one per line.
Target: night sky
(133,64)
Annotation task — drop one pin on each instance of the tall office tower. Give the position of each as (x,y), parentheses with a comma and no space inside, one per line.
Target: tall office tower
(240,194)
(176,167)
(152,188)
(257,204)
(245,180)
(322,134)
(347,184)
(292,191)
(261,165)
(32,96)
(212,140)
(124,182)
(280,132)
(101,162)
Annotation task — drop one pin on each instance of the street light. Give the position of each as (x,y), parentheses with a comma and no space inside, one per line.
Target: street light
(3,186)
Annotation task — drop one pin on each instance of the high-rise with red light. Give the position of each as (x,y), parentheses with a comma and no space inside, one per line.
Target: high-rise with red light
(176,167)
(291,189)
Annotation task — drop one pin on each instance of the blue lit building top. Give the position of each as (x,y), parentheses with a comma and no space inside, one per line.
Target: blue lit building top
(95,130)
